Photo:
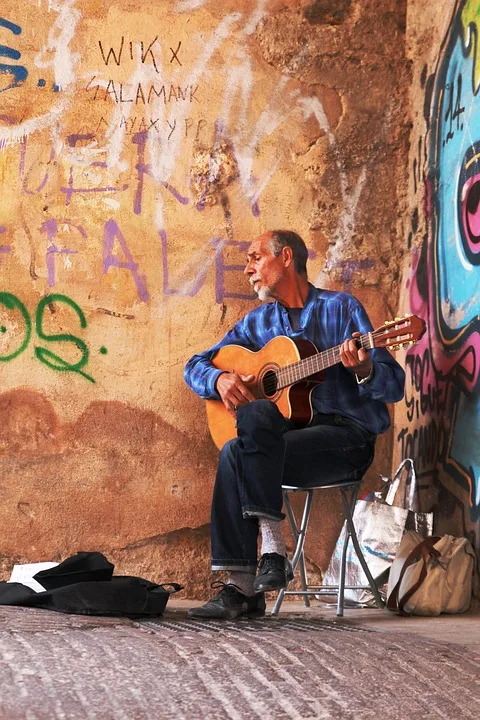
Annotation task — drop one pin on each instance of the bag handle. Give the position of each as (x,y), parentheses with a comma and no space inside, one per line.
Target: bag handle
(423,550)
(175,587)
(393,489)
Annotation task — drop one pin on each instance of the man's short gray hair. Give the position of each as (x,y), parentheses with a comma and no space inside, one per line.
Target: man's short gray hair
(287,238)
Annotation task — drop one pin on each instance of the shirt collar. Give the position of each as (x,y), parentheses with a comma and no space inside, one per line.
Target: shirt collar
(308,300)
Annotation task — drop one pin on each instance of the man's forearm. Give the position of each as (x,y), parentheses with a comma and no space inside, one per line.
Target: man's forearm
(201,376)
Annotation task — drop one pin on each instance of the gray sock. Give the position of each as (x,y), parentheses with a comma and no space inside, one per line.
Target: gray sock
(243,581)
(272,538)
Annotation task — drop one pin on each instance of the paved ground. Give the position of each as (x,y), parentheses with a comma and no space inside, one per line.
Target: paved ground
(305,664)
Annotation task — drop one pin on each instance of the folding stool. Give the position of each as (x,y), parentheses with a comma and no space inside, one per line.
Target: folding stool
(299,534)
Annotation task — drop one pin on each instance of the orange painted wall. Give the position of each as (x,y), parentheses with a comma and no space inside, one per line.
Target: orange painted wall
(142,146)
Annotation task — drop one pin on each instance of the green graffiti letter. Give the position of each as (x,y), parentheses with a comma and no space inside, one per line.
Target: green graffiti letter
(49,358)
(13,303)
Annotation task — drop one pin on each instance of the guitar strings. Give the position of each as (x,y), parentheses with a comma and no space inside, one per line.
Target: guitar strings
(274,379)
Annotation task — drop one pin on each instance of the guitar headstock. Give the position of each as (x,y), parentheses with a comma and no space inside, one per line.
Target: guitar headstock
(394,334)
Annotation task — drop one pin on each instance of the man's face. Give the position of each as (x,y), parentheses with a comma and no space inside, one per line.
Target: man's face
(264,270)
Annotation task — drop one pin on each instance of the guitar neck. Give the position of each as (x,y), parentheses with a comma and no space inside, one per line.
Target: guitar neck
(302,369)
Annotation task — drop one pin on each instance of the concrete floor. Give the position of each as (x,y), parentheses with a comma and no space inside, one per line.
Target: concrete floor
(306,663)
(460,629)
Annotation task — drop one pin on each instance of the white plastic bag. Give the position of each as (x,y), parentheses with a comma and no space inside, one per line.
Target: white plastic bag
(380,524)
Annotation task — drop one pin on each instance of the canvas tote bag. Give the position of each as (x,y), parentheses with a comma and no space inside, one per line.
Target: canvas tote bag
(431,575)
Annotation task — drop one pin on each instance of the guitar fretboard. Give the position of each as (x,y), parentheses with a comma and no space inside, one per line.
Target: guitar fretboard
(302,369)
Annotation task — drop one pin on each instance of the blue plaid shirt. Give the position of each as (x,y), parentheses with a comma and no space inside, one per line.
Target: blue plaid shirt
(328,318)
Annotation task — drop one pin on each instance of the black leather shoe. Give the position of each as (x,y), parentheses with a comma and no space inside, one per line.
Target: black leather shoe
(229,604)
(274,573)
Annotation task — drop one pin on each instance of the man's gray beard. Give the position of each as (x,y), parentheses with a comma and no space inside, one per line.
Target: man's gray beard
(264,294)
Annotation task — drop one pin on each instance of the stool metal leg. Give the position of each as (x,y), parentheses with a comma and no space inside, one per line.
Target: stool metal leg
(278,603)
(358,549)
(343,568)
(304,579)
(294,529)
(299,534)
(299,537)
(299,554)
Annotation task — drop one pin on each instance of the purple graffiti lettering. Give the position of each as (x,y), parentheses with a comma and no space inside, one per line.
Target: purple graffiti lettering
(50,228)
(70,190)
(221,268)
(72,140)
(254,199)
(75,138)
(4,249)
(175,193)
(140,139)
(112,232)
(348,267)
(52,250)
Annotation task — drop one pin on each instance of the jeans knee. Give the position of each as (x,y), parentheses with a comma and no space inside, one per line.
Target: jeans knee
(259,413)
(227,453)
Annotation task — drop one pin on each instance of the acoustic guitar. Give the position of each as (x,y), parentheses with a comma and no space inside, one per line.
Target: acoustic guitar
(286,371)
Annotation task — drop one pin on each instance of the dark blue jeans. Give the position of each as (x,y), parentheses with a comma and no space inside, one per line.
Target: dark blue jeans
(267,453)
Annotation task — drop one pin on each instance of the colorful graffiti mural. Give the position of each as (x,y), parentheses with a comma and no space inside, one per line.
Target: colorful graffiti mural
(442,404)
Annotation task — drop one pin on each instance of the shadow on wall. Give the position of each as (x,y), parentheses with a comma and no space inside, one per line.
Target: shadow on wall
(137,479)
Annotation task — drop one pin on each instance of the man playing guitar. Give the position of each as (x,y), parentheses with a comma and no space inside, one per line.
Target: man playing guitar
(347,413)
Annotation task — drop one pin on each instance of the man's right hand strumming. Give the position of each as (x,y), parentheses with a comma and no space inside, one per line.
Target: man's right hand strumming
(233,390)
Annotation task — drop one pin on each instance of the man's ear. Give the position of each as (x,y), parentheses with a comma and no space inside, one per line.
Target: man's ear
(287,254)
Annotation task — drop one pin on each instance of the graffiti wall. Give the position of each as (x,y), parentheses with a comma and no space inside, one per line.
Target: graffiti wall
(440,423)
(142,145)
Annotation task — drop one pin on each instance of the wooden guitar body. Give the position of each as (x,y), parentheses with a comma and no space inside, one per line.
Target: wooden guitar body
(287,370)
(294,401)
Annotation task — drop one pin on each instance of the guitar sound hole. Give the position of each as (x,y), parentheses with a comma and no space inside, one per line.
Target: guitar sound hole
(269,383)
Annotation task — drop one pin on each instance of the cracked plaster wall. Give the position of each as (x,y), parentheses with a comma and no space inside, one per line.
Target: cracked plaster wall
(142,145)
